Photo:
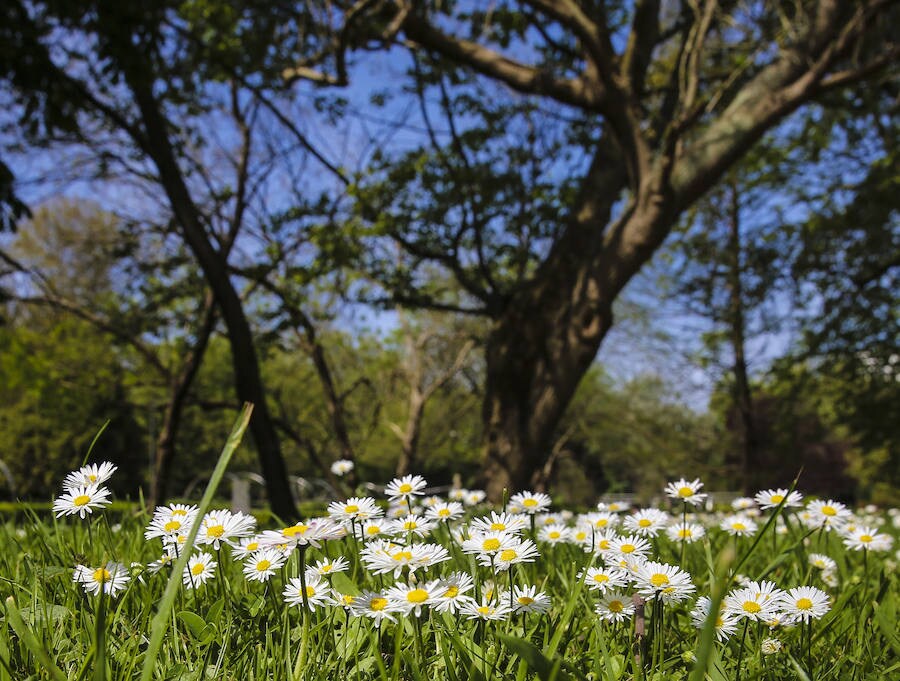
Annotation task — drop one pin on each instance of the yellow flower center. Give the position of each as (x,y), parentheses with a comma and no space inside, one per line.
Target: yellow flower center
(310,591)
(739,527)
(252,546)
(601,578)
(580,536)
(263,565)
(529,503)
(643,522)
(553,535)
(603,544)
(685,533)
(525,600)
(102,575)
(829,510)
(658,579)
(865,538)
(347,599)
(81,500)
(351,508)
(92,477)
(804,604)
(685,492)
(373,529)
(444,513)
(751,606)
(378,604)
(417,596)
(215,531)
(451,592)
(485,610)
(491,544)
(616,606)
(402,555)
(507,555)
(172,526)
(627,548)
(603,522)
(777,498)
(405,488)
(294,530)
(497,527)
(179,511)
(198,569)
(327,568)
(410,525)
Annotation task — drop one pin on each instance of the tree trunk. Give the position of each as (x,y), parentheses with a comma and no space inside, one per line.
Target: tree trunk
(409,442)
(742,396)
(248,381)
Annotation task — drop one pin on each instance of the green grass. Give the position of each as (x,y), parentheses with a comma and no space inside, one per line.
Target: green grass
(235,629)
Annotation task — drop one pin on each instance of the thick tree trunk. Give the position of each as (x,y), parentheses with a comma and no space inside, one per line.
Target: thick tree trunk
(409,442)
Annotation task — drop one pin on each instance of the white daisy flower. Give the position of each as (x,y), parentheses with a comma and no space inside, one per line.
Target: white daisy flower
(805,602)
(326,567)
(738,526)
(555,534)
(310,532)
(415,524)
(372,605)
(410,599)
(373,529)
(405,487)
(827,514)
(529,502)
(488,543)
(357,509)
(341,467)
(867,538)
(262,564)
(603,578)
(450,593)
(770,646)
(444,511)
(498,522)
(527,599)
(601,520)
(486,610)
(165,560)
(474,497)
(647,522)
(81,501)
(667,582)
(221,526)
(685,532)
(246,547)
(615,606)
(457,494)
(512,552)
(758,602)
(625,549)
(688,492)
(822,562)
(92,475)
(167,526)
(770,498)
(726,624)
(317,595)
(200,568)
(110,578)
(612,506)
(743,504)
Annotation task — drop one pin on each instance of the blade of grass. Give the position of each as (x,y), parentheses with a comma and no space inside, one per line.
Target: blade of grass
(160,620)
(14,617)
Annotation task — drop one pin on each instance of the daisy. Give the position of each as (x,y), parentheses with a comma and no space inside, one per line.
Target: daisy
(245,547)
(743,504)
(417,525)
(668,582)
(498,522)
(738,526)
(354,509)
(405,487)
(262,564)
(751,603)
(317,595)
(474,497)
(81,500)
(626,549)
(167,526)
(827,514)
(529,502)
(513,552)
(601,520)
(110,578)
(615,606)
(200,568)
(343,600)
(805,602)
(527,599)
(688,492)
(372,605)
(428,502)
(770,498)
(603,579)
(686,532)
(554,534)
(822,562)
(583,536)
(487,543)
(548,519)
(375,528)
(310,532)
(90,475)
(450,593)
(647,522)
(221,526)
(486,610)
(457,494)
(410,599)
(867,538)
(341,467)
(770,646)
(326,567)
(612,506)
(382,556)
(165,560)
(444,511)
(726,624)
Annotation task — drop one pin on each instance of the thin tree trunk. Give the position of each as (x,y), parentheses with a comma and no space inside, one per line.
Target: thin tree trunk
(742,396)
